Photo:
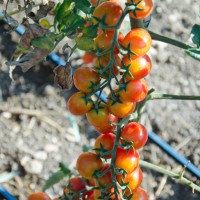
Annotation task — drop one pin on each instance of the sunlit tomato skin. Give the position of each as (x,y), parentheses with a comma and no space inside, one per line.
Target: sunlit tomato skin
(78,105)
(111,10)
(134,179)
(100,117)
(103,61)
(76,184)
(139,40)
(87,163)
(39,196)
(121,110)
(84,77)
(106,141)
(139,66)
(136,133)
(146,7)
(136,91)
(88,57)
(93,2)
(139,194)
(128,161)
(88,195)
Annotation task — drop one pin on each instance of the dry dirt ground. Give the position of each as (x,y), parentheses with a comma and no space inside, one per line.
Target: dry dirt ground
(34,145)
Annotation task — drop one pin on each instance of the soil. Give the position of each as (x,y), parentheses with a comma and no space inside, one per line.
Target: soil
(34,145)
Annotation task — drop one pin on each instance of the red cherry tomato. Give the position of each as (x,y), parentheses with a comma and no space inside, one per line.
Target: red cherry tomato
(87,163)
(106,179)
(136,90)
(106,141)
(139,194)
(76,184)
(146,7)
(78,105)
(139,40)
(127,160)
(136,133)
(84,77)
(139,66)
(88,57)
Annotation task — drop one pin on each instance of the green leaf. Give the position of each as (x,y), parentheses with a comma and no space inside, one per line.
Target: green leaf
(64,169)
(90,31)
(85,43)
(195,35)
(53,179)
(194,53)
(72,22)
(45,42)
(83,5)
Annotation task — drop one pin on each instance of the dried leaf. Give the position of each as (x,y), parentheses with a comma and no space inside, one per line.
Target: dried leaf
(63,77)
(30,59)
(33,31)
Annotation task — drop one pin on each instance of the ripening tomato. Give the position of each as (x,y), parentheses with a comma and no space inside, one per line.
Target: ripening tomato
(106,179)
(39,196)
(127,159)
(139,66)
(88,57)
(145,9)
(103,61)
(100,117)
(76,184)
(89,195)
(139,194)
(84,77)
(136,133)
(121,110)
(110,10)
(78,105)
(136,90)
(105,141)
(133,179)
(94,2)
(107,128)
(139,40)
(87,163)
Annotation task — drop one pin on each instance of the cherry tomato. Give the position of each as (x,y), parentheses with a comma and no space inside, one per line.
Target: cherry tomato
(94,2)
(100,117)
(90,182)
(106,179)
(136,133)
(88,57)
(139,66)
(134,179)
(136,90)
(76,184)
(121,110)
(103,61)
(84,77)
(39,196)
(145,6)
(139,40)
(106,141)
(108,128)
(87,163)
(78,105)
(139,194)
(127,160)
(111,10)
(89,195)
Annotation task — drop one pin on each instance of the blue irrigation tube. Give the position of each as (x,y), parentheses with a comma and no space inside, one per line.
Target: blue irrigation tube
(152,136)
(6,194)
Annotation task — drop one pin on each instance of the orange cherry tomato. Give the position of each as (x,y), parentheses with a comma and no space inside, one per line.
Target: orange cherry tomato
(127,160)
(136,90)
(106,179)
(139,66)
(88,57)
(84,77)
(139,194)
(139,41)
(76,184)
(87,163)
(39,196)
(78,105)
(146,7)
(111,10)
(106,141)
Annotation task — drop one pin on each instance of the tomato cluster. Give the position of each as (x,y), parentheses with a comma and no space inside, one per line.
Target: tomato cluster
(115,157)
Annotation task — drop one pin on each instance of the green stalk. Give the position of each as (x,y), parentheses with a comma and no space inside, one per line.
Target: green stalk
(179,177)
